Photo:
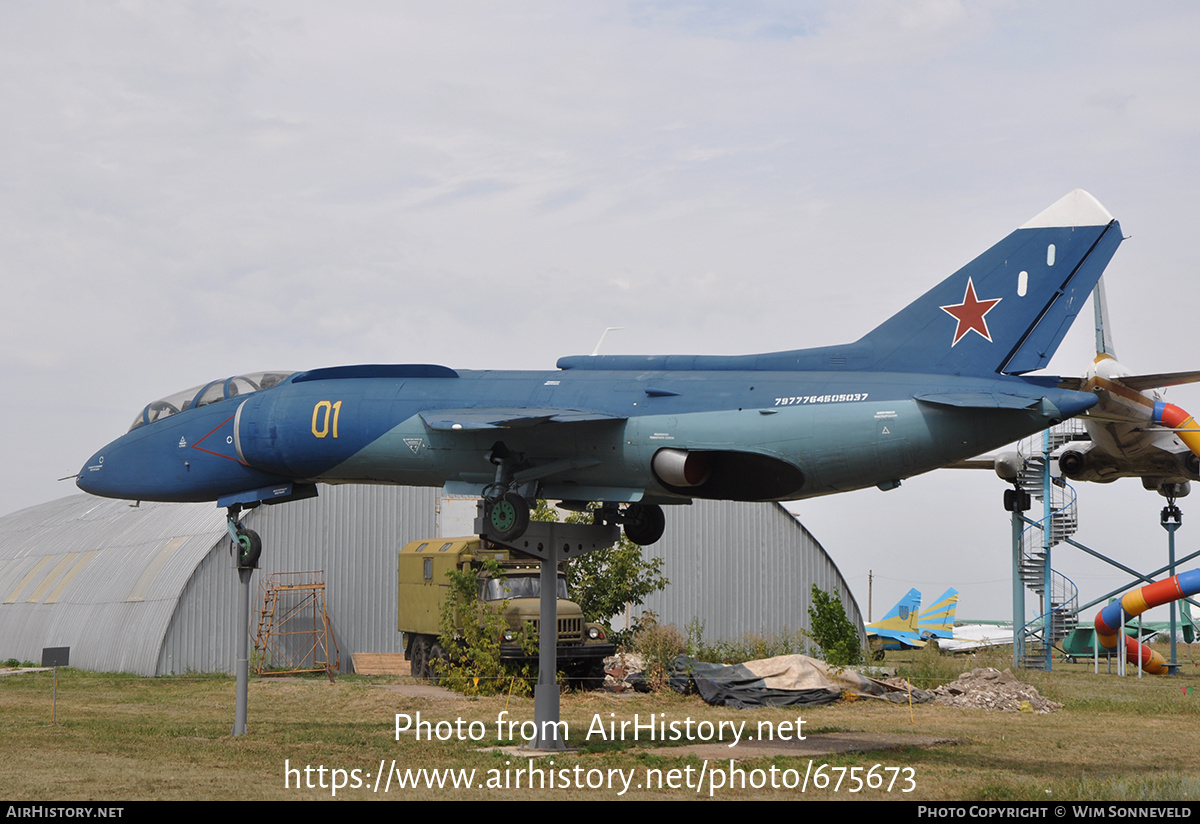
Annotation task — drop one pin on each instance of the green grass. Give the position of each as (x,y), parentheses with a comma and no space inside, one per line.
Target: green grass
(124,737)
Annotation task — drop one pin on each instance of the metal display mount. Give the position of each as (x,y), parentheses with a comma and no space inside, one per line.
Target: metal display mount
(550,542)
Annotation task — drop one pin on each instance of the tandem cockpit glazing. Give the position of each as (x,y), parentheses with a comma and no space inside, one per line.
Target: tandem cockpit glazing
(211,392)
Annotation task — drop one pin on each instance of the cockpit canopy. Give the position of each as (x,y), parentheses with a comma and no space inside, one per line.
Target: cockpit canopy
(211,392)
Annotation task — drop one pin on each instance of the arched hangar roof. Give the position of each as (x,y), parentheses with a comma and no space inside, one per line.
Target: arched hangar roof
(100,576)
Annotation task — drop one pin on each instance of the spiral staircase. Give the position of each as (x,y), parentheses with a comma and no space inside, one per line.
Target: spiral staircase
(1058,603)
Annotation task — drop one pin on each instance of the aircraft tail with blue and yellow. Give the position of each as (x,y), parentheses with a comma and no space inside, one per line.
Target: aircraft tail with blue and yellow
(900,622)
(906,626)
(938,620)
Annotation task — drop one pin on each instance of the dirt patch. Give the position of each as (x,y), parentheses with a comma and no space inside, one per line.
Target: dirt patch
(812,745)
(825,744)
(419,690)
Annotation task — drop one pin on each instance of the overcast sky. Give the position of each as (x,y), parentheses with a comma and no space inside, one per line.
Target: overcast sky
(193,190)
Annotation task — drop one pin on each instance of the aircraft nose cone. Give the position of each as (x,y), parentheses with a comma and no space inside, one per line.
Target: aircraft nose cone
(90,477)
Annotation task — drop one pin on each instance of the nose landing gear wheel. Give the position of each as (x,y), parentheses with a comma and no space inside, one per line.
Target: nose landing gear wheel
(249,547)
(508,517)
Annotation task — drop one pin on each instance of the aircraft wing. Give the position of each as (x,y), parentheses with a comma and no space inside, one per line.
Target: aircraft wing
(1139,383)
(447,420)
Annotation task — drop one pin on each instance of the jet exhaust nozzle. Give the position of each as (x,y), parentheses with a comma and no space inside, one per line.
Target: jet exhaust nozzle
(678,467)
(1071,463)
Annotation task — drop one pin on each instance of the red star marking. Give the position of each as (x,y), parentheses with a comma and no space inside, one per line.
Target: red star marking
(970,314)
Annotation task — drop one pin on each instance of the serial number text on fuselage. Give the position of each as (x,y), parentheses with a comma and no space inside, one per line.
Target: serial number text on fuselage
(801,399)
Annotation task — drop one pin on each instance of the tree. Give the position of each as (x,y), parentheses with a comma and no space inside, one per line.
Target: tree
(604,581)
(832,630)
(471,633)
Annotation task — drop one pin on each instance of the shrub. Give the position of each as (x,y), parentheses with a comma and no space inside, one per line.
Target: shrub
(832,631)
(659,645)
(471,633)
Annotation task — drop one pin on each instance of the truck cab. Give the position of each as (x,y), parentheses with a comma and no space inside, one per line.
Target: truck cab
(423,588)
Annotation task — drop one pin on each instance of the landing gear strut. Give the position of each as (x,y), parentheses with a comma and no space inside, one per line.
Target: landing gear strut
(505,509)
(246,547)
(1171,512)
(1171,520)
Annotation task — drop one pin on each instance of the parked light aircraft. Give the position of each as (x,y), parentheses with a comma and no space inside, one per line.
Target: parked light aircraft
(942,380)
(971,637)
(1133,432)
(907,627)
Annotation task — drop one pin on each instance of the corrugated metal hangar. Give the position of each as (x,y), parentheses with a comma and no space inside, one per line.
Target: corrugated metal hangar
(150,589)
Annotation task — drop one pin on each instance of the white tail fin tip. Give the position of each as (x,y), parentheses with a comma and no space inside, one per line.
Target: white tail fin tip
(1076,208)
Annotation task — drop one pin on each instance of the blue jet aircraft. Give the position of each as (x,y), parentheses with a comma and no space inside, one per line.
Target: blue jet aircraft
(941,381)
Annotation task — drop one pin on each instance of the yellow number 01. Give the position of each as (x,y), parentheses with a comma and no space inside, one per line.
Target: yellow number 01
(335,408)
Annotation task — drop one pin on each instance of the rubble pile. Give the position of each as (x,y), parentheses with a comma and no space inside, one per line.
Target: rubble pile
(622,670)
(988,689)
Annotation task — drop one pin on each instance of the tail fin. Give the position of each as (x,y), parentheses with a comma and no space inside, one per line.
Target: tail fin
(1007,310)
(938,620)
(902,618)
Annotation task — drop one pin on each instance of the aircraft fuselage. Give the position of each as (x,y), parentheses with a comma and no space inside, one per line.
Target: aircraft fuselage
(767,435)
(940,381)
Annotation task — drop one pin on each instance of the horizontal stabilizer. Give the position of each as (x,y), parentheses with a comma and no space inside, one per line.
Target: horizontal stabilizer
(1143,382)
(447,420)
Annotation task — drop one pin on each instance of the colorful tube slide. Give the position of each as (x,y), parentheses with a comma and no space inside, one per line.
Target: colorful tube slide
(1110,620)
(1185,426)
